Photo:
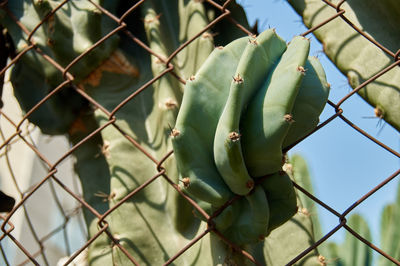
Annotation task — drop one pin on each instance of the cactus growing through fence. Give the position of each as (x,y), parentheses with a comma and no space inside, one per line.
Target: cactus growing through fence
(115,70)
(352,53)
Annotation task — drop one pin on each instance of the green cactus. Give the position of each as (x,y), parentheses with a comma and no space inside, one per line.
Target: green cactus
(272,106)
(210,157)
(351,52)
(302,230)
(63,38)
(352,251)
(156,223)
(110,74)
(389,231)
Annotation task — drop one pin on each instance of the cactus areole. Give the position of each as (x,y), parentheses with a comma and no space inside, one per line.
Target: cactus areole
(248,101)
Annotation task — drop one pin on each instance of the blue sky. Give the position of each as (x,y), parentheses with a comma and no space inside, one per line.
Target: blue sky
(344,164)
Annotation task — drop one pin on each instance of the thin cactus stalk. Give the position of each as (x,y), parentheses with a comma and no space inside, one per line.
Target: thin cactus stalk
(355,56)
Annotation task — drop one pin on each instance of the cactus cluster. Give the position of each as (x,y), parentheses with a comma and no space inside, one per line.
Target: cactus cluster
(249,101)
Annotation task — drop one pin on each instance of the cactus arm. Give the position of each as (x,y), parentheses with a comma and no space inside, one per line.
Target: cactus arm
(310,102)
(269,117)
(150,236)
(354,251)
(300,173)
(281,199)
(355,56)
(193,20)
(252,222)
(197,121)
(258,57)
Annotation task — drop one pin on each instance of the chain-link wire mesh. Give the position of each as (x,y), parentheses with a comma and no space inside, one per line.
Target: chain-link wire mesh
(50,186)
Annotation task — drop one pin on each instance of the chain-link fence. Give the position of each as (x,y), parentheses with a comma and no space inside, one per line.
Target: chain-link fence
(46,188)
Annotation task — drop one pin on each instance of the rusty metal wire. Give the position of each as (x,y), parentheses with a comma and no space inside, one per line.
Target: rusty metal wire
(23,135)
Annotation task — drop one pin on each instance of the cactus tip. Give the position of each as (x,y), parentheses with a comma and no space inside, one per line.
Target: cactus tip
(192,77)
(152,19)
(219,47)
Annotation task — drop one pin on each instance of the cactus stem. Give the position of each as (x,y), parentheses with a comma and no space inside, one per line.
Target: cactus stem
(175,132)
(234,136)
(238,79)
